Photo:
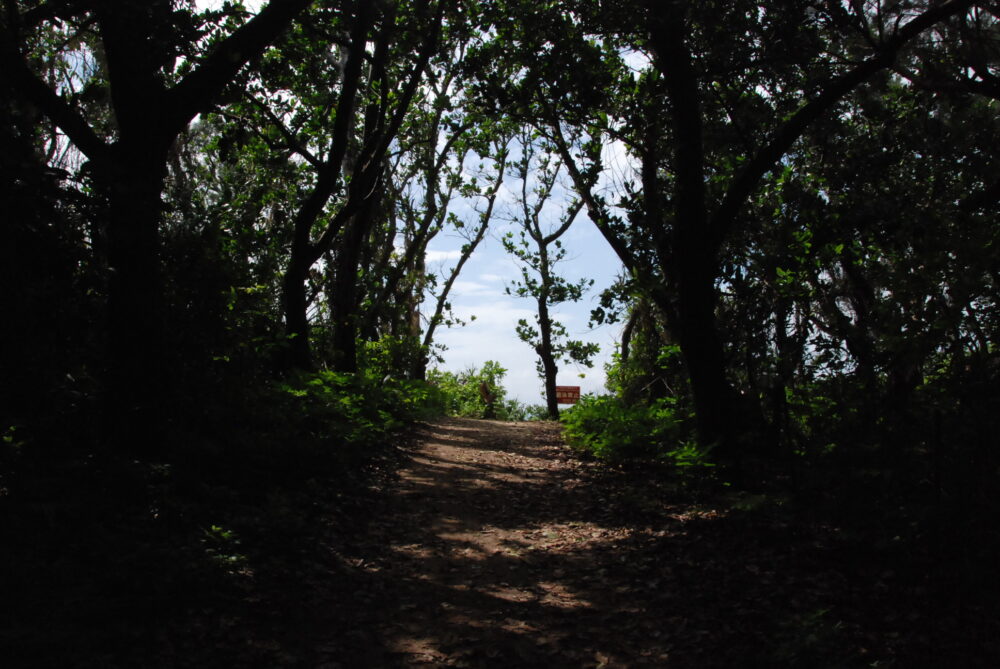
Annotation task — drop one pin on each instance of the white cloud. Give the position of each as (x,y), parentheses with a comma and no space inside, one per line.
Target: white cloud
(439,256)
(498,313)
(462,289)
(619,168)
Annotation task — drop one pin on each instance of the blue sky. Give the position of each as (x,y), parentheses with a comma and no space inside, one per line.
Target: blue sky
(480,292)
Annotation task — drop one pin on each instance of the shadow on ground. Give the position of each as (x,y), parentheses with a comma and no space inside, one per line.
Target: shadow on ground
(500,549)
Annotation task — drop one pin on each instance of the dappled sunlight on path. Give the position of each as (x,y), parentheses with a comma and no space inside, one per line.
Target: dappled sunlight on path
(491,551)
(497,547)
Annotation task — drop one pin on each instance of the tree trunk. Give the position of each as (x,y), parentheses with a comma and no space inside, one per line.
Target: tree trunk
(344,301)
(690,257)
(704,357)
(137,382)
(544,351)
(295,306)
(787,362)
(304,254)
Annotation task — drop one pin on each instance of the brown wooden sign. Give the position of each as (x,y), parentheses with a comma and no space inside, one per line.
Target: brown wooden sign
(567,394)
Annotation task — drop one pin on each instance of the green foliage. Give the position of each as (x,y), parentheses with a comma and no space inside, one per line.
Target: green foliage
(459,394)
(612,429)
(359,410)
(223,546)
(390,356)
(463,394)
(529,412)
(247,481)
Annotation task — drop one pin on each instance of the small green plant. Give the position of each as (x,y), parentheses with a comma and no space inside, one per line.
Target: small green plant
(222,545)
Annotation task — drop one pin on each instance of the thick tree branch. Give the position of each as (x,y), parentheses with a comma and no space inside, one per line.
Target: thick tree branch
(596,209)
(427,49)
(571,213)
(303,250)
(249,41)
(365,183)
(47,11)
(668,32)
(432,212)
(468,249)
(293,141)
(15,73)
(786,135)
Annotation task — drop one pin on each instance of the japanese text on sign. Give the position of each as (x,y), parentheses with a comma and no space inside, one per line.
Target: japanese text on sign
(567,394)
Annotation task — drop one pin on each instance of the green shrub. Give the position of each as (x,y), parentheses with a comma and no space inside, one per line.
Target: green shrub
(390,356)
(609,428)
(462,395)
(360,409)
(524,412)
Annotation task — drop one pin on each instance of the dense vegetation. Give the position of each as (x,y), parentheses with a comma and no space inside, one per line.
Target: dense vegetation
(217,311)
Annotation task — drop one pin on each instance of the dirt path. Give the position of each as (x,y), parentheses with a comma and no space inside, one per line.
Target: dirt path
(493,551)
(497,547)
